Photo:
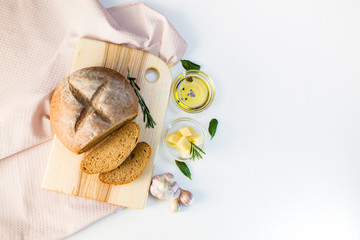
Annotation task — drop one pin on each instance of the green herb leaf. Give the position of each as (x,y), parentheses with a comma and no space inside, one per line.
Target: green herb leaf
(212,127)
(183,168)
(188,65)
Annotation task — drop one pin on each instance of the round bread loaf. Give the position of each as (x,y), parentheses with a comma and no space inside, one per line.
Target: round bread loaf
(89,105)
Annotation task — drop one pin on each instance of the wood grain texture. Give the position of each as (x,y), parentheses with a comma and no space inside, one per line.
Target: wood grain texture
(63,172)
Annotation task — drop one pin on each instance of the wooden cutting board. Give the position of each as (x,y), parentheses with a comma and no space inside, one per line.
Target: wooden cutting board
(63,172)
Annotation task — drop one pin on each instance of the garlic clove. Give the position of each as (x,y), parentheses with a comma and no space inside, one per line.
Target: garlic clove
(177,193)
(186,197)
(164,187)
(175,205)
(168,176)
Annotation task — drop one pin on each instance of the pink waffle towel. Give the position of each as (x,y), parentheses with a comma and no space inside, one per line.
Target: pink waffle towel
(37,43)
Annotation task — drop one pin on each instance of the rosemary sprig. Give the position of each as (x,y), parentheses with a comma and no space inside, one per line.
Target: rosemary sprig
(146,112)
(195,151)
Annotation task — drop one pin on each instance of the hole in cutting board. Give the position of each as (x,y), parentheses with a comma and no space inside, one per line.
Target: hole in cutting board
(152,75)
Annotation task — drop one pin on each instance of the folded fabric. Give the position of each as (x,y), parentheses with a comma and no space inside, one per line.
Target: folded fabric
(37,44)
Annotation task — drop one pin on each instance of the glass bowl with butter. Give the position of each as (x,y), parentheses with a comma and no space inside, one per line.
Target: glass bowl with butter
(193,91)
(178,135)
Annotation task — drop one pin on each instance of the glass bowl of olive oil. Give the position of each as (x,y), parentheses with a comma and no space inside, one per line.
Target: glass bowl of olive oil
(193,91)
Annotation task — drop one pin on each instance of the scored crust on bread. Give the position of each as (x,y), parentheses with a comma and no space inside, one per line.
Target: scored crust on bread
(131,168)
(89,105)
(112,151)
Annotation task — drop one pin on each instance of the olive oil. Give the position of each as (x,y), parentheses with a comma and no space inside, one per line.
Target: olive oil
(192,93)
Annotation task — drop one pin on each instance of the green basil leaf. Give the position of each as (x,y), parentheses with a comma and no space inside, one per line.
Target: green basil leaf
(188,65)
(212,127)
(183,168)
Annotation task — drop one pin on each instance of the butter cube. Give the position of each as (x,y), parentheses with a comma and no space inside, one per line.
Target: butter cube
(183,145)
(179,134)
(192,130)
(172,138)
(196,139)
(185,153)
(185,131)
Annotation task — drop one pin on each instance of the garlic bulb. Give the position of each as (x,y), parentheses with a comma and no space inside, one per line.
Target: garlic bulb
(186,198)
(175,205)
(164,187)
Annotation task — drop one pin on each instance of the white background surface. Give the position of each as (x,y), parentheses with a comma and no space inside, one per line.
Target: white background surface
(285,161)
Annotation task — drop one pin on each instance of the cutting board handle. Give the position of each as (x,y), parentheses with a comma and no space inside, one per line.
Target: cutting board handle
(155,69)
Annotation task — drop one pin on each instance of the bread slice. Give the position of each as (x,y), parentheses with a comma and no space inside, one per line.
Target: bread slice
(113,151)
(131,168)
